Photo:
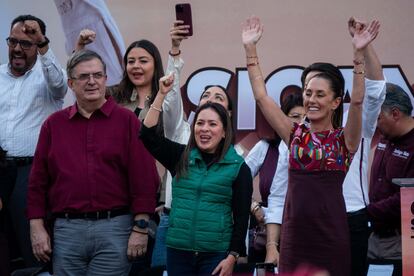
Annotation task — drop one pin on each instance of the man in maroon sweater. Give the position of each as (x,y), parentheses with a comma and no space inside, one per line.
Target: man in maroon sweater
(393,159)
(93,174)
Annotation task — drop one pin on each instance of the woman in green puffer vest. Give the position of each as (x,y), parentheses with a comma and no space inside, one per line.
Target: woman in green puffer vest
(211,191)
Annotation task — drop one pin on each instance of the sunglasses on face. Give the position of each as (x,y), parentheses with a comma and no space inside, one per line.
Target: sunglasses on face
(24,44)
(87,76)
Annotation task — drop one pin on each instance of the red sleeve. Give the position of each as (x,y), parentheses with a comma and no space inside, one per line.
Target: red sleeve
(389,208)
(142,173)
(39,176)
(386,209)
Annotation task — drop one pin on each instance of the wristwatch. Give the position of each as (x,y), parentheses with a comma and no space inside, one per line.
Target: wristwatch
(141,223)
(235,255)
(44,43)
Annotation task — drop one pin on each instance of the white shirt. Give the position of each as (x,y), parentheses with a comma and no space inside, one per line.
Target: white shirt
(353,195)
(276,199)
(26,101)
(176,127)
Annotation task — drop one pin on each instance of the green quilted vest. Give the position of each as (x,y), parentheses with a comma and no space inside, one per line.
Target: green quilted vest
(201,212)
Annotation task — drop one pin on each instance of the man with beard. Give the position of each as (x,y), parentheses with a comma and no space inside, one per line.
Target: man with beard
(393,159)
(32,86)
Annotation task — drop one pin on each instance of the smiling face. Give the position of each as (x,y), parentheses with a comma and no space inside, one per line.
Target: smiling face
(140,67)
(21,60)
(214,94)
(92,88)
(318,100)
(208,130)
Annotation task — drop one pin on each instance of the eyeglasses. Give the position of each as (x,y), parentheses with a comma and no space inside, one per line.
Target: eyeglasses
(25,44)
(87,76)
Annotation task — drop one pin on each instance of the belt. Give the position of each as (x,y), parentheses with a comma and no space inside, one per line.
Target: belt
(387,233)
(166,211)
(106,214)
(19,161)
(357,213)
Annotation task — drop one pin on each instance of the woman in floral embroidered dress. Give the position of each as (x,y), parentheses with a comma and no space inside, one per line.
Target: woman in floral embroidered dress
(314,229)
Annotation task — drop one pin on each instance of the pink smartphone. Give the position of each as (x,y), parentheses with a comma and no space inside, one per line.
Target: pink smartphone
(183,12)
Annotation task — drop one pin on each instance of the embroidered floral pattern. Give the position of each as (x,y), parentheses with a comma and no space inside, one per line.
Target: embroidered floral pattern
(318,151)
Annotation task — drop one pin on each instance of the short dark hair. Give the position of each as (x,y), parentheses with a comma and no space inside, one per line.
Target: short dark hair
(290,101)
(81,56)
(398,98)
(332,74)
(224,145)
(22,18)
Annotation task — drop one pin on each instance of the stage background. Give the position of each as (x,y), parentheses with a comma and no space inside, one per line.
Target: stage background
(297,32)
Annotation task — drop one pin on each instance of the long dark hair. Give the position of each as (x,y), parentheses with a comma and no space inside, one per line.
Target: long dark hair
(224,145)
(229,105)
(125,87)
(333,75)
(123,91)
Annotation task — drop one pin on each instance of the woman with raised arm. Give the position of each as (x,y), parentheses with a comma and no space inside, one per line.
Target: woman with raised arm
(212,188)
(314,229)
(143,68)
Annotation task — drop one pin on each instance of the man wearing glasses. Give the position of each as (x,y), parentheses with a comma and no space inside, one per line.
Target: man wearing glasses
(32,86)
(92,172)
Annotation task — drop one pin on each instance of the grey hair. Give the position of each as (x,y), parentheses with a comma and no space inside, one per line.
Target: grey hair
(398,98)
(81,56)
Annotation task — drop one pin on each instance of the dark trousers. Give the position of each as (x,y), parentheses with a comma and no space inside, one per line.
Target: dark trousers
(5,187)
(17,178)
(4,249)
(255,256)
(359,234)
(186,263)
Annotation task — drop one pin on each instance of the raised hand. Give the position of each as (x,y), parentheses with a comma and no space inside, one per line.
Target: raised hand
(178,32)
(32,29)
(252,30)
(166,83)
(352,25)
(364,36)
(86,37)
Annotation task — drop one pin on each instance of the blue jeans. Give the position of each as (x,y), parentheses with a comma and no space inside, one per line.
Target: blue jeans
(91,247)
(183,262)
(159,255)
